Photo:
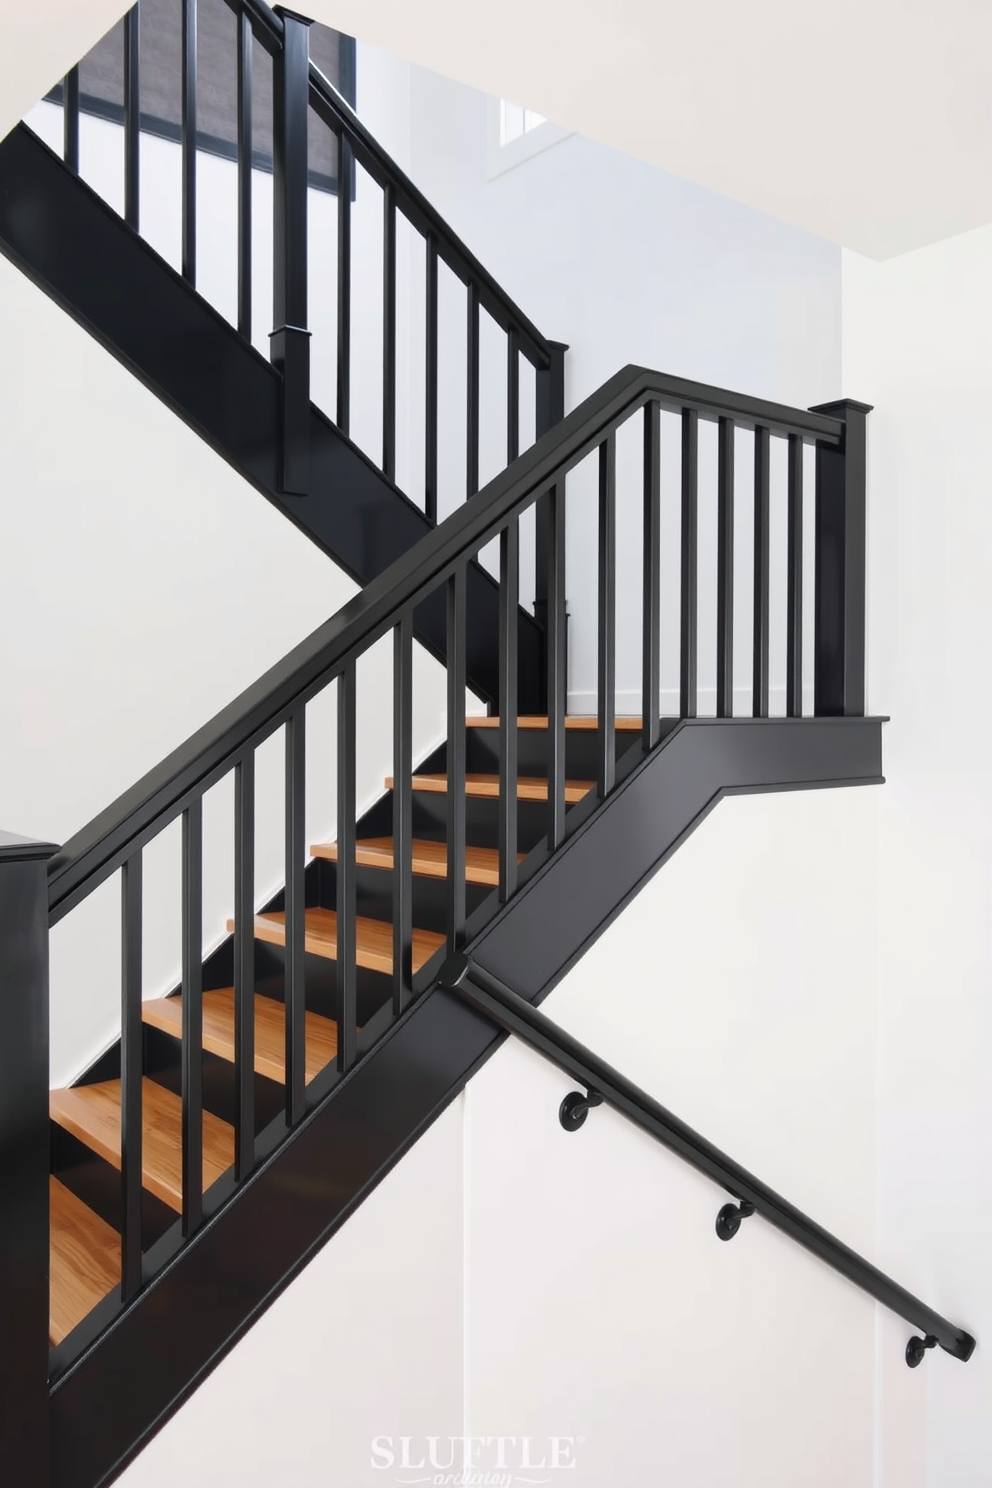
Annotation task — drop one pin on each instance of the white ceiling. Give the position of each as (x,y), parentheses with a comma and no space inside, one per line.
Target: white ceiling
(868,122)
(39,41)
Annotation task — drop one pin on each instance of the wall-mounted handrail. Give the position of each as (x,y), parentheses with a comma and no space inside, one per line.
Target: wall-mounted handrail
(487,995)
(104,844)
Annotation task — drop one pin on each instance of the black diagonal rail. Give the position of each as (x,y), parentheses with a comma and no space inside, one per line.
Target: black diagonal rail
(502,1006)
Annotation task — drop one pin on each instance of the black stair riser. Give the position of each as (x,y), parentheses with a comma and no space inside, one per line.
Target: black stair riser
(483,753)
(76,248)
(98,1183)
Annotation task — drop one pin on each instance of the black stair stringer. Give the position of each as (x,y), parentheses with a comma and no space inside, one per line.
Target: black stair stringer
(134,1377)
(65,238)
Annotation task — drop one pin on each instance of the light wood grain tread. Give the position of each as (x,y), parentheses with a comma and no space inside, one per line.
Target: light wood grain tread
(85,1261)
(93,1114)
(430,859)
(529,787)
(374,938)
(166,1013)
(625,723)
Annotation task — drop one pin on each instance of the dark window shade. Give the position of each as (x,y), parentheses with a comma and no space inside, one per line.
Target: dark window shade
(101,83)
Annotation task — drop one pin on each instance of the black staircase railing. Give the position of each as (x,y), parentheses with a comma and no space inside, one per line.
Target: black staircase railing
(434,574)
(604,1085)
(306,104)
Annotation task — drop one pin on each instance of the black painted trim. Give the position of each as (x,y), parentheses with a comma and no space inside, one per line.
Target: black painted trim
(254,1247)
(80,252)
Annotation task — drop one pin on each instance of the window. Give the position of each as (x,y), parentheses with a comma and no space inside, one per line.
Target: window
(101,84)
(517,133)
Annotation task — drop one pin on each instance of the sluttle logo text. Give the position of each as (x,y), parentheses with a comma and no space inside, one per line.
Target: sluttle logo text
(473,1461)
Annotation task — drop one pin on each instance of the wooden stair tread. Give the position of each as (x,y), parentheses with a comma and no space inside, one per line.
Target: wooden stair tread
(625,723)
(85,1261)
(374,938)
(166,1013)
(430,859)
(529,787)
(93,1114)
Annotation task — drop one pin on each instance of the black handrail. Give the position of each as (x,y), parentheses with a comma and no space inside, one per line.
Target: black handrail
(96,851)
(337,112)
(603,1084)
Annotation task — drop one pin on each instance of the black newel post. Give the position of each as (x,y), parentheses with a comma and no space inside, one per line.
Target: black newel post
(841,480)
(290,341)
(550,411)
(24,1161)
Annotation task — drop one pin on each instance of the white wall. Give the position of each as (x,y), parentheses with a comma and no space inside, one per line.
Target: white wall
(145,586)
(918,337)
(629,264)
(572,1285)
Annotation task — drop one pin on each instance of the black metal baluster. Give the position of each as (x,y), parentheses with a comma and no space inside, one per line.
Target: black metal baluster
(762,446)
(192,1051)
(389,331)
(289,343)
(512,395)
(606,738)
(472,400)
(70,119)
(651,639)
(402,813)
(244,966)
(430,390)
(346,886)
(246,48)
(509,599)
(131,1076)
(345,171)
(794,594)
(554,519)
(296,986)
(132,117)
(725,571)
(690,562)
(456,814)
(189,140)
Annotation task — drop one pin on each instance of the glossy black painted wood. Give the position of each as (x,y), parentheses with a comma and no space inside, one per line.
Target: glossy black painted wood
(402,814)
(24,1157)
(509,571)
(651,625)
(430,382)
(132,117)
(455,755)
(346,169)
(192,1000)
(389,332)
(290,339)
(549,412)
(607,618)
(841,477)
(689,568)
(295,986)
(80,252)
(244,964)
(188,129)
(132,1070)
(725,570)
(347,722)
(319,1176)
(794,583)
(762,571)
(246,65)
(70,120)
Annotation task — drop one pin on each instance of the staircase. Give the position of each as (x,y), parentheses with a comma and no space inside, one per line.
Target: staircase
(188,1175)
